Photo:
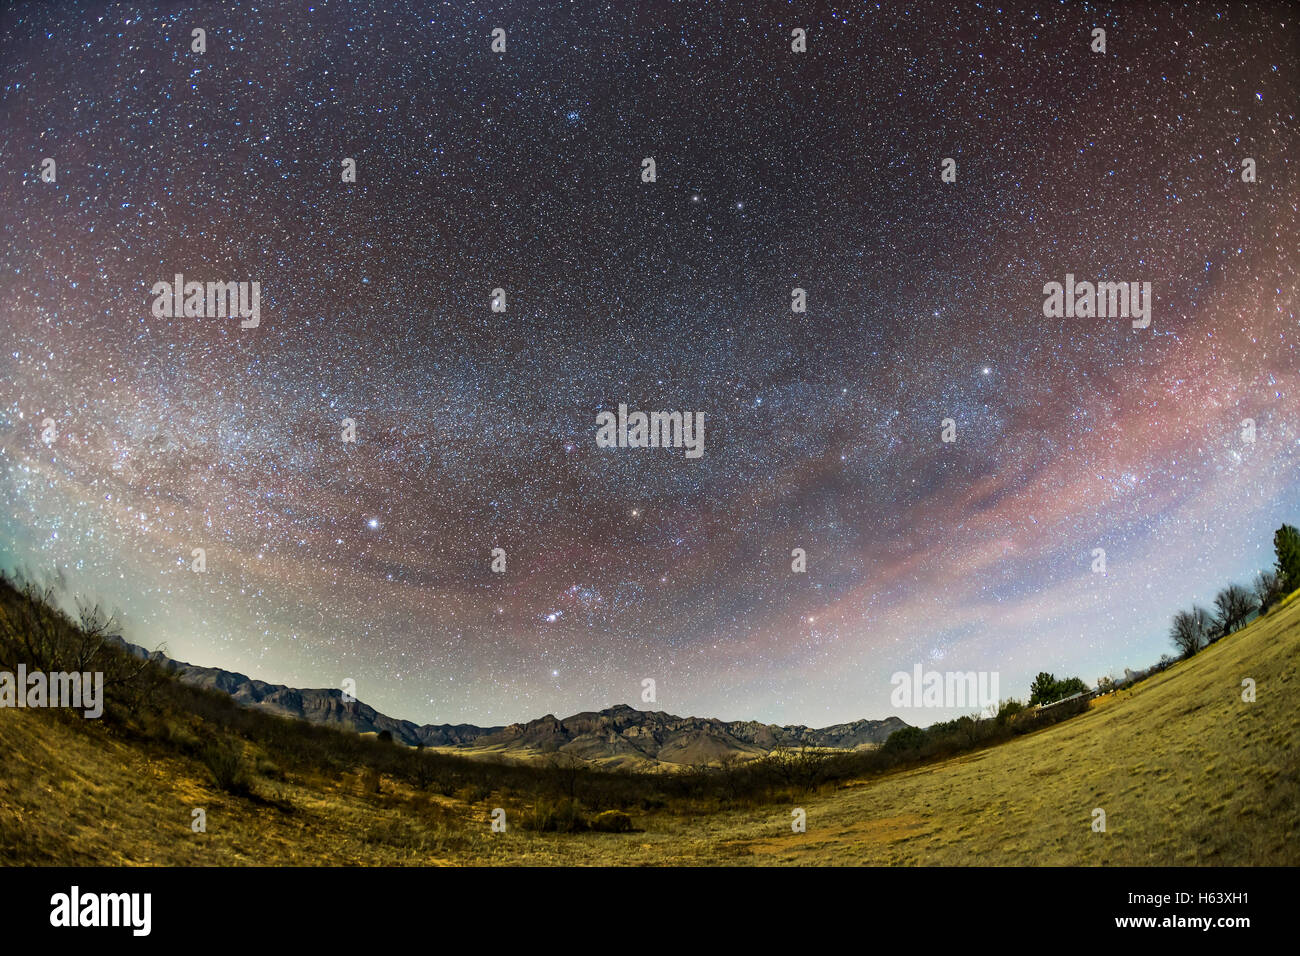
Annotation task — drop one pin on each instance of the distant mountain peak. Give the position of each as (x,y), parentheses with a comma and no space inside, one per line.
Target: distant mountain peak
(617,735)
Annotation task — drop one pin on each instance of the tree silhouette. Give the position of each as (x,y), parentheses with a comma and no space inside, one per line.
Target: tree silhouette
(1191,630)
(1234,604)
(1286,544)
(1268,589)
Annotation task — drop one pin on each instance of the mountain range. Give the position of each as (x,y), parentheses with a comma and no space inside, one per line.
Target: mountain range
(618,736)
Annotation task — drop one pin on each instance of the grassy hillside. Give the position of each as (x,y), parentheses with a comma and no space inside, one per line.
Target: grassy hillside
(1186,772)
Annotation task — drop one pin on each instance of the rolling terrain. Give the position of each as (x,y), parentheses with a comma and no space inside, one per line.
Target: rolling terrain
(1185,770)
(620,736)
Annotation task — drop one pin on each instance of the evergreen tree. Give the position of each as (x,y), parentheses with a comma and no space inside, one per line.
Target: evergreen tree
(1286,542)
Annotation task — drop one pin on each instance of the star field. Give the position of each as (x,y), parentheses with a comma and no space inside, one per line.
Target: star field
(475,429)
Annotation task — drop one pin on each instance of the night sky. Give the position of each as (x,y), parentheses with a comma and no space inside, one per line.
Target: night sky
(476,429)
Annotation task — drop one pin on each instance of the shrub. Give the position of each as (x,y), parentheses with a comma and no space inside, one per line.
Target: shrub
(560,816)
(475,793)
(905,739)
(266,767)
(424,771)
(1046,689)
(612,821)
(1008,709)
(180,736)
(225,763)
(399,833)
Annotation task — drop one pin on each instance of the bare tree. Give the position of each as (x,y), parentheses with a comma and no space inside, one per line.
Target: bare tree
(1268,589)
(1233,604)
(779,762)
(807,767)
(731,773)
(568,769)
(32,625)
(37,633)
(1191,630)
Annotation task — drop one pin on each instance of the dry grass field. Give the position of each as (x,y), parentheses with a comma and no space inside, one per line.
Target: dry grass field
(1186,772)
